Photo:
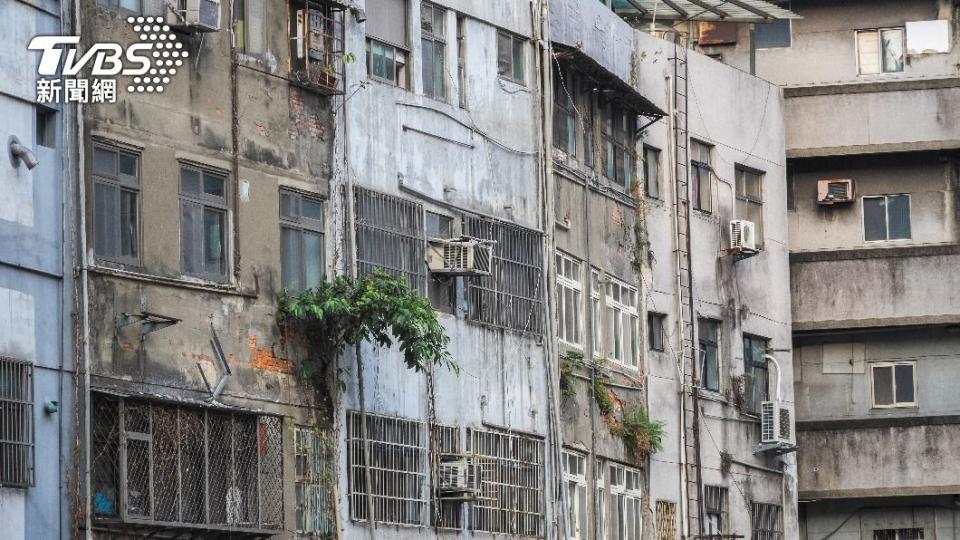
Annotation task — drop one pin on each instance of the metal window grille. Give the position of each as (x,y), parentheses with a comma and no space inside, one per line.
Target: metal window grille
(575,476)
(511,499)
(510,296)
(116,191)
(313,486)
(625,499)
(398,470)
(767,522)
(715,506)
(169,465)
(317,46)
(569,295)
(913,533)
(16,423)
(301,240)
(622,323)
(446,440)
(666,520)
(390,236)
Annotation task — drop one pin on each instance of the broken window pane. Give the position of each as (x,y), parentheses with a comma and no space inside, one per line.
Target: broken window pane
(882,385)
(892,49)
(874,218)
(904,383)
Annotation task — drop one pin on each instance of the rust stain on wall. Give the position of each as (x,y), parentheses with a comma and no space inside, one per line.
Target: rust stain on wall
(263,358)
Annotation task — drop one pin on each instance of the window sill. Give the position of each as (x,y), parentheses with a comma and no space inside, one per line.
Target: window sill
(511,86)
(185,283)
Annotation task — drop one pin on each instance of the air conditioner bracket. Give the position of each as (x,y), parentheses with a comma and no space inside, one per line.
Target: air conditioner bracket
(777,449)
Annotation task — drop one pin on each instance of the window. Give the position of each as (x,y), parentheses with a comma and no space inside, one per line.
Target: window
(700,192)
(666,520)
(462,59)
(655,323)
(772,35)
(446,514)
(441,289)
(301,240)
(510,297)
(16,423)
(397,469)
(600,498)
(880,51)
(625,497)
(791,191)
(387,43)
(898,534)
(595,311)
(651,171)
(575,476)
(510,57)
(564,112)
(314,471)
(116,192)
(569,300)
(203,221)
(767,522)
(621,323)
(512,484)
(750,199)
(715,506)
(185,465)
(121,5)
(46,127)
(316,47)
(617,141)
(894,384)
(709,338)
(390,236)
(248,29)
(886,217)
(433,47)
(756,385)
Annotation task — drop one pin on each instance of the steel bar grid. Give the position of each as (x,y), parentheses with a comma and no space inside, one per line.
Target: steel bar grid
(666,520)
(510,297)
(511,486)
(398,469)
(767,521)
(446,440)
(390,236)
(16,423)
(170,465)
(314,471)
(319,59)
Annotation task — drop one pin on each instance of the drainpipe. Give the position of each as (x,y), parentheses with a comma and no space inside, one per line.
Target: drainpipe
(771,359)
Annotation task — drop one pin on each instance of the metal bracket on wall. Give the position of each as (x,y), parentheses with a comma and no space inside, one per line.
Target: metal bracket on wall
(149,322)
(225,372)
(777,449)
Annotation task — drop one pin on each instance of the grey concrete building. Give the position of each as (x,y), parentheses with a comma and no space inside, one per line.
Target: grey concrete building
(36,284)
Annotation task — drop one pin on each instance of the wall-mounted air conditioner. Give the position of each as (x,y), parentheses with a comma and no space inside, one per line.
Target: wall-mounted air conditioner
(196,15)
(834,191)
(743,235)
(464,256)
(776,423)
(459,477)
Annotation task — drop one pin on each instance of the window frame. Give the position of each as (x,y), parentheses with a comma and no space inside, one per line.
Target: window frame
(401,73)
(616,141)
(576,286)
(721,496)
(437,40)
(462,100)
(660,319)
(214,203)
(647,150)
(17,415)
(576,482)
(757,533)
(623,496)
(879,32)
(309,488)
(886,214)
(789,44)
(701,343)
(120,183)
(749,367)
(301,226)
(703,178)
(899,533)
(516,41)
(744,200)
(624,310)
(108,5)
(893,381)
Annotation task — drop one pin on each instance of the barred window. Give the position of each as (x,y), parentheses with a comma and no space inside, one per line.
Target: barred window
(625,497)
(180,466)
(510,296)
(575,476)
(715,506)
(313,486)
(767,522)
(569,300)
(666,520)
(911,533)
(390,236)
(397,467)
(16,423)
(511,487)
(446,514)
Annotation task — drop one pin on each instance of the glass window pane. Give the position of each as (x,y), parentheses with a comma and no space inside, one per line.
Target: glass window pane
(128,165)
(312,259)
(517,60)
(438,71)
(104,161)
(131,5)
(883,385)
(892,50)
(190,241)
(904,380)
(428,68)
(874,218)
(190,181)
(213,184)
(288,205)
(868,50)
(105,222)
(581,528)
(426,18)
(312,209)
(128,223)
(290,263)
(213,241)
(898,215)
(504,54)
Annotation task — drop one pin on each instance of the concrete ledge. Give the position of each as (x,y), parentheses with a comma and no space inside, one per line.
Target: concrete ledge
(865,493)
(878,422)
(887,148)
(871,87)
(850,324)
(875,253)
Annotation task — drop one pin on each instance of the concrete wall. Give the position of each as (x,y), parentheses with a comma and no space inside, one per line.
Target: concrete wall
(35,273)
(857,519)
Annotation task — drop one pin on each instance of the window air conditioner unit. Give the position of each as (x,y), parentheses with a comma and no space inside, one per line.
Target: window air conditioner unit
(743,235)
(776,423)
(459,477)
(464,256)
(834,191)
(196,15)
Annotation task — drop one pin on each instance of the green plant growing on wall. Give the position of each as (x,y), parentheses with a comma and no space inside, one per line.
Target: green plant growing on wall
(641,245)
(378,308)
(640,435)
(726,460)
(567,362)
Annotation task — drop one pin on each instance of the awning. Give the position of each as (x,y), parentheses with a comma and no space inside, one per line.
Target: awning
(704,10)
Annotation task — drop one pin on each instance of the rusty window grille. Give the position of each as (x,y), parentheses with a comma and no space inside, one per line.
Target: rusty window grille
(716,507)
(666,520)
(397,465)
(173,466)
(510,297)
(16,423)
(511,486)
(390,236)
(625,499)
(446,514)
(317,45)
(767,522)
(314,471)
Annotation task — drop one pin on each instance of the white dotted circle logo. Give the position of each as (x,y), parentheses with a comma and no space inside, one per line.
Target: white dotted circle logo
(167,52)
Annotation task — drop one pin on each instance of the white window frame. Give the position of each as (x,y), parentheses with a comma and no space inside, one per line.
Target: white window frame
(596,310)
(624,311)
(893,379)
(576,481)
(886,214)
(631,496)
(599,498)
(879,32)
(565,283)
